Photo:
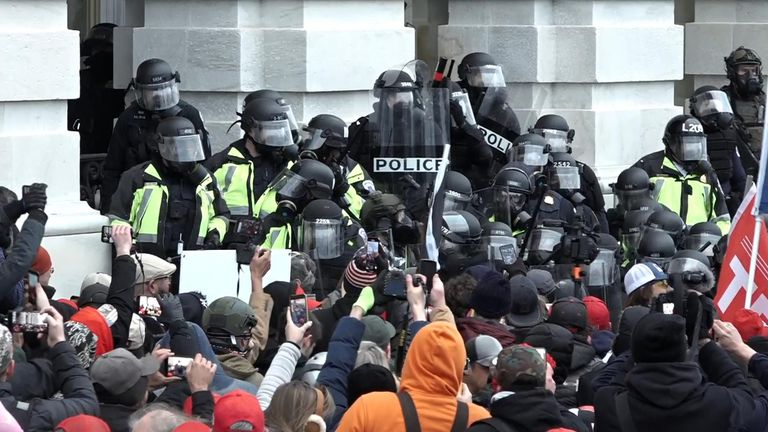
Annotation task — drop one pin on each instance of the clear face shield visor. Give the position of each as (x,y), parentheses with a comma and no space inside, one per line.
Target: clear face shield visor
(273,133)
(712,102)
(632,199)
(157,97)
(529,154)
(187,148)
(564,177)
(697,241)
(631,239)
(322,238)
(403,98)
(456,201)
(507,203)
(486,76)
(501,248)
(462,99)
(545,239)
(693,148)
(556,139)
(315,139)
(601,270)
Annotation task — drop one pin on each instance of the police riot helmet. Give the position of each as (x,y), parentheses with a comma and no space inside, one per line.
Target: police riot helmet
(703,235)
(266,123)
(458,191)
(632,188)
(563,172)
(280,100)
(179,144)
(461,243)
(634,221)
(155,86)
(511,188)
(480,70)
(304,181)
(322,229)
(656,246)
(667,221)
(326,138)
(685,139)
(529,149)
(99,39)
(556,132)
(693,269)
(712,107)
(544,243)
(500,243)
(227,322)
(748,80)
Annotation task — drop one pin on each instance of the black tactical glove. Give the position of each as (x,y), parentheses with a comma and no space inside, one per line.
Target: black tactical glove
(34,197)
(212,240)
(171,308)
(457,113)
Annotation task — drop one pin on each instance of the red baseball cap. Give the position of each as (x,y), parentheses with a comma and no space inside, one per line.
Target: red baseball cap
(192,426)
(597,313)
(236,407)
(82,422)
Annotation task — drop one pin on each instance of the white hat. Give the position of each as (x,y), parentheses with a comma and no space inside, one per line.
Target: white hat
(641,274)
(150,267)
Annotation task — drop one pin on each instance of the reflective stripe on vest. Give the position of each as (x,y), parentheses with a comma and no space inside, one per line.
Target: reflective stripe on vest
(669,192)
(237,184)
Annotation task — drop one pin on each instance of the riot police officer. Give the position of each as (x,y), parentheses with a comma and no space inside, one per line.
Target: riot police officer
(458,191)
(656,246)
(529,149)
(469,153)
(745,71)
(564,175)
(703,237)
(172,202)
(511,190)
(245,168)
(558,137)
(297,186)
(156,93)
(684,181)
(276,97)
(633,190)
(500,243)
(667,221)
(483,80)
(724,143)
(461,246)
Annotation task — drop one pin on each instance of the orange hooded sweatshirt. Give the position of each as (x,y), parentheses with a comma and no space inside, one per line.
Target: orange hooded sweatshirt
(432,376)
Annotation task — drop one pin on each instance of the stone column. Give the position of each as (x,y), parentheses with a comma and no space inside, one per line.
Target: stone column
(608,67)
(322,55)
(39,73)
(720,26)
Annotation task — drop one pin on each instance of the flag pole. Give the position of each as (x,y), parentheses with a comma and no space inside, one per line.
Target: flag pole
(757,210)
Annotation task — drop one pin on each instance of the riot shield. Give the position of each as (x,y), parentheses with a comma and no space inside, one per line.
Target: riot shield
(497,121)
(413,121)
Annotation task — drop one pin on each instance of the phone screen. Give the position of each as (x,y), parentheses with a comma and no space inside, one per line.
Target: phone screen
(299,309)
(428,268)
(373,247)
(177,366)
(149,306)
(394,285)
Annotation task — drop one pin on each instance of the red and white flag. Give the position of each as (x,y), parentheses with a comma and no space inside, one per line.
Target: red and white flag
(734,275)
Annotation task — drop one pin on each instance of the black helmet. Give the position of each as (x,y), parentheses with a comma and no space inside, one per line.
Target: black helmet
(395,80)
(667,221)
(179,142)
(497,229)
(712,107)
(458,191)
(266,123)
(322,229)
(632,188)
(511,188)
(634,221)
(326,133)
(701,234)
(555,131)
(227,322)
(284,106)
(685,139)
(656,246)
(693,269)
(99,38)
(529,149)
(156,85)
(563,172)
(305,181)
(500,243)
(461,244)
(749,82)
(480,70)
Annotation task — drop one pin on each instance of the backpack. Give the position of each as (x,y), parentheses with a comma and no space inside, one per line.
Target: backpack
(501,426)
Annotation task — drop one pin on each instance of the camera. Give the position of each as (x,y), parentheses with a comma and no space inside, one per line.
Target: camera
(28,322)
(698,310)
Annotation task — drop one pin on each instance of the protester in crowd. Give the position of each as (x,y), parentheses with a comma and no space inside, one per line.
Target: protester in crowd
(491,300)
(643,283)
(481,351)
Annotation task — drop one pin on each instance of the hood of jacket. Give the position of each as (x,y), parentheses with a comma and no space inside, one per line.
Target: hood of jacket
(532,410)
(435,361)
(664,385)
(583,354)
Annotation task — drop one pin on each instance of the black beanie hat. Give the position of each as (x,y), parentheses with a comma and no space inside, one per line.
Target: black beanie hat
(659,338)
(369,378)
(492,298)
(627,322)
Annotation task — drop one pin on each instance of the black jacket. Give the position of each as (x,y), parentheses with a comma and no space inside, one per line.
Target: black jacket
(116,416)
(33,379)
(73,382)
(674,397)
(120,296)
(134,129)
(531,411)
(21,256)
